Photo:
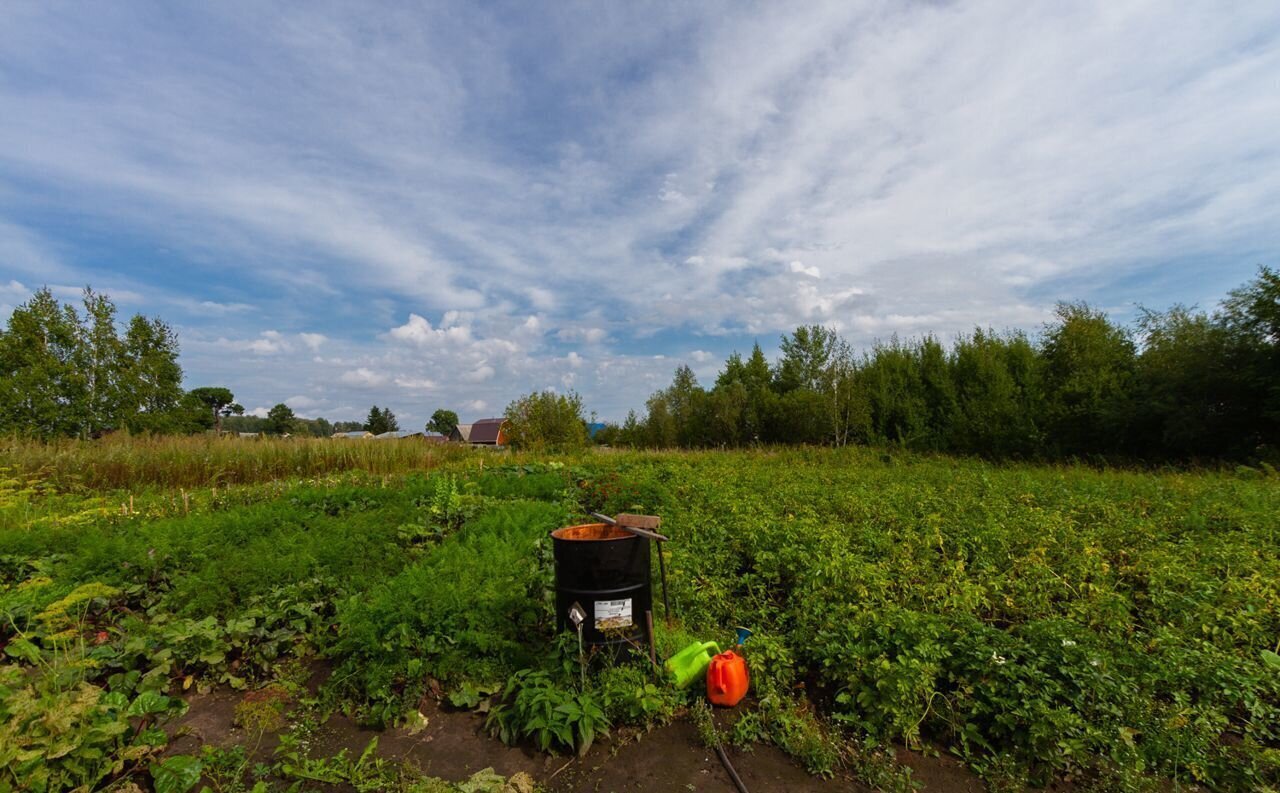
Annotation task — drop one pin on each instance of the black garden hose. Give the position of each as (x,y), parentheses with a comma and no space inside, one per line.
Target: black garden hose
(728,766)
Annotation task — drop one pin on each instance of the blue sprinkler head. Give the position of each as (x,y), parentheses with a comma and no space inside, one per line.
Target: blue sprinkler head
(743,634)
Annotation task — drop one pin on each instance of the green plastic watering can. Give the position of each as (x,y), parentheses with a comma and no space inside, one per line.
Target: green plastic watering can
(691,663)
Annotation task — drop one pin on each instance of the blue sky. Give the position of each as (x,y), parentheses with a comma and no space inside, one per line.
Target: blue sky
(449,205)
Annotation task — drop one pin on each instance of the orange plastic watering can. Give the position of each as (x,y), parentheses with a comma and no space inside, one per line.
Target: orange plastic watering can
(727,679)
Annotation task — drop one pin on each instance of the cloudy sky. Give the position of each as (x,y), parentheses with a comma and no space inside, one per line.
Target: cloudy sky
(345,204)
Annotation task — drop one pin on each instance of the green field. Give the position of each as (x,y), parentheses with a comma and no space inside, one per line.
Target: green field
(1113,628)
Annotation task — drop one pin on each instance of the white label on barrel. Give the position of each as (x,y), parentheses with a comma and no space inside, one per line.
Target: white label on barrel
(613,614)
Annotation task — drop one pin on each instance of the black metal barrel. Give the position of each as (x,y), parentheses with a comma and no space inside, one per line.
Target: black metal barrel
(606,571)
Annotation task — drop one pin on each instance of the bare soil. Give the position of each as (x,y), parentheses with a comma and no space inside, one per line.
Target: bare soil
(453,746)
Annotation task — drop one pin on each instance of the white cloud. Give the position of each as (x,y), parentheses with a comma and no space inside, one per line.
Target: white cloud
(267,345)
(860,166)
(418,331)
(302,402)
(701,356)
(582,334)
(416,383)
(479,374)
(211,308)
(798,267)
(363,377)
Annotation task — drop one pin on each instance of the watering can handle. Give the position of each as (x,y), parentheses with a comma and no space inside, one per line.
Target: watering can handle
(716,678)
(711,646)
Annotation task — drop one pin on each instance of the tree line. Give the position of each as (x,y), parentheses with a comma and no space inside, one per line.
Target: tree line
(1177,384)
(68,371)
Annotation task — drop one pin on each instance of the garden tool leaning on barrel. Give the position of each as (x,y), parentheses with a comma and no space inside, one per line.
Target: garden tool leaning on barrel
(644,526)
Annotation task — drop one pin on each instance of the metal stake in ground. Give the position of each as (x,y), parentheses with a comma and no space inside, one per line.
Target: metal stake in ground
(578,616)
(650,523)
(653,647)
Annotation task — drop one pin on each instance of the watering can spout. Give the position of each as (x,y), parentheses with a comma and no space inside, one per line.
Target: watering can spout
(690,663)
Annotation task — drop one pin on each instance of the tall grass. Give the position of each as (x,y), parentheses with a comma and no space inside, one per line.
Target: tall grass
(119,462)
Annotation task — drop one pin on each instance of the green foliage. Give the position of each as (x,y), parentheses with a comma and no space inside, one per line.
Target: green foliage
(132,463)
(1058,621)
(1197,386)
(280,419)
(1089,368)
(546,421)
(443,421)
(176,774)
(442,514)
(218,402)
(1117,628)
(471,696)
(59,732)
(381,420)
(371,773)
(63,373)
(631,697)
(534,707)
(472,609)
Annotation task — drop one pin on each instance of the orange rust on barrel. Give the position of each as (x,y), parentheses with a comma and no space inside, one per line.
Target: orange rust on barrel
(591,531)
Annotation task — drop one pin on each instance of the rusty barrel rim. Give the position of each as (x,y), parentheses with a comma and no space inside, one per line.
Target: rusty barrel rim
(592,532)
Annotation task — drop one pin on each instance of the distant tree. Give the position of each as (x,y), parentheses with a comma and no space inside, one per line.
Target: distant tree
(153,378)
(348,426)
(67,373)
(545,420)
(101,360)
(848,406)
(805,354)
(891,375)
(687,402)
(220,403)
(998,407)
(443,421)
(608,435)
(726,411)
(380,420)
(190,416)
(281,420)
(631,433)
(1250,317)
(43,386)
(660,430)
(757,377)
(1089,365)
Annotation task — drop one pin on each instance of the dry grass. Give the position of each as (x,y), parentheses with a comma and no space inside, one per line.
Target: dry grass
(120,462)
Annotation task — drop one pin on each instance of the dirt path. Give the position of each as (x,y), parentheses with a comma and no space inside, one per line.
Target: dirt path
(453,746)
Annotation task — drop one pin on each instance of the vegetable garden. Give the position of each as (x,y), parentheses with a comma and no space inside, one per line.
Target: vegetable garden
(1114,629)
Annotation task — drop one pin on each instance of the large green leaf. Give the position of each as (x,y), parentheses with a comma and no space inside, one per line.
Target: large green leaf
(177,774)
(148,703)
(1272,660)
(23,650)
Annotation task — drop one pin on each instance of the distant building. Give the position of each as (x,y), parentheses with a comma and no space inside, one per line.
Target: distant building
(396,434)
(488,432)
(593,428)
(461,433)
(248,434)
(355,434)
